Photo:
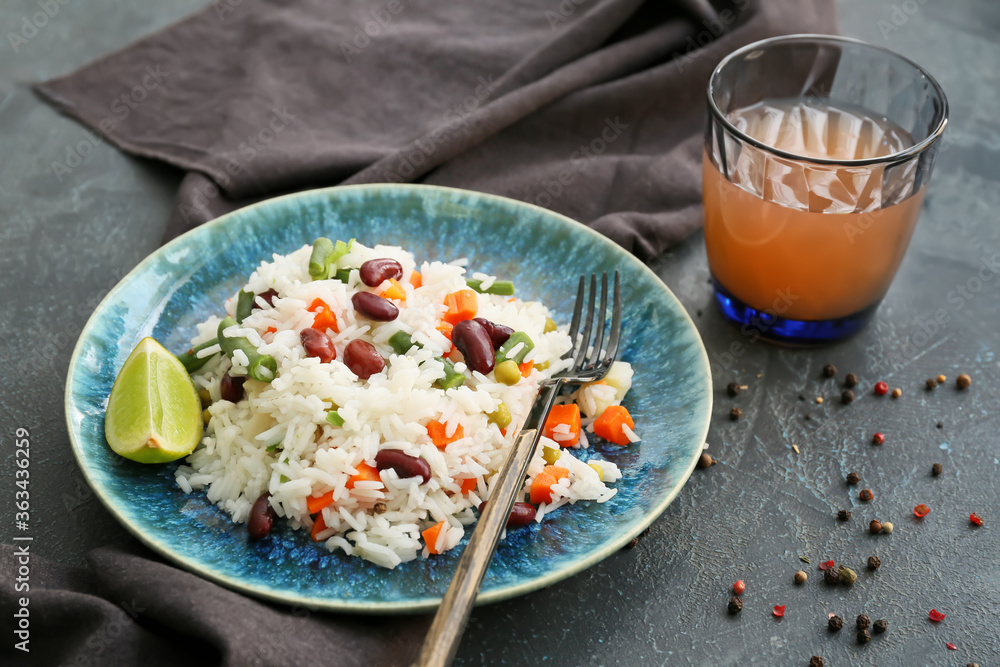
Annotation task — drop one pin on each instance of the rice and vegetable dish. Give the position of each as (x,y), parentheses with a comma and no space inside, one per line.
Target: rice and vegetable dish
(370,401)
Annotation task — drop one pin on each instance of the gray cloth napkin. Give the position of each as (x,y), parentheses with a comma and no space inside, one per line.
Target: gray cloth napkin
(592,108)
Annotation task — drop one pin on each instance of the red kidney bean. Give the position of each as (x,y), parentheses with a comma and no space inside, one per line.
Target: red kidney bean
(521,514)
(404,464)
(473,340)
(268,297)
(318,344)
(374,307)
(498,332)
(231,388)
(363,359)
(261,518)
(374,271)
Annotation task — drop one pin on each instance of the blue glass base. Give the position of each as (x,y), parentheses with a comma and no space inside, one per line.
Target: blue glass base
(777,329)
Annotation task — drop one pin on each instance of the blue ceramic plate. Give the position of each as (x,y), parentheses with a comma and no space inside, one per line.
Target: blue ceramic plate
(187,280)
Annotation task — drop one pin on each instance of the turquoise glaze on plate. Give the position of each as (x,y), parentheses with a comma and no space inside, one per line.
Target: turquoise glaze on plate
(187,280)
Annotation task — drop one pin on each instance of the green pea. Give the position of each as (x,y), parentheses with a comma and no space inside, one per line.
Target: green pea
(542,365)
(500,416)
(507,372)
(598,470)
(550,455)
(550,325)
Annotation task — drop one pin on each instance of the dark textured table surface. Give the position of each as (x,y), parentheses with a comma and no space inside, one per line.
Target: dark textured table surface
(66,240)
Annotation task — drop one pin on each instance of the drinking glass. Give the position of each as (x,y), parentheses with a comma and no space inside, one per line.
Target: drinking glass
(818,152)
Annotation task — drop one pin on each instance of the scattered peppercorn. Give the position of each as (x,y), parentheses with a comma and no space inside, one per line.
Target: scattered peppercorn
(863,622)
(878,439)
(632,543)
(831,576)
(802,397)
(853,478)
(851,381)
(815,661)
(887,527)
(975,519)
(380,507)
(735,414)
(921,510)
(847,397)
(739,587)
(864,636)
(880,626)
(963,381)
(733,388)
(931,383)
(897,392)
(843,515)
(847,575)
(819,400)
(971,664)
(835,623)
(829,370)
(866,495)
(735,606)
(942,379)
(881,389)
(936,469)
(874,563)
(801,577)
(940,424)
(705,460)
(875,527)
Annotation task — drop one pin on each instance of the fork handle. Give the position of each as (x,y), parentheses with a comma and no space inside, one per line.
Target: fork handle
(453,614)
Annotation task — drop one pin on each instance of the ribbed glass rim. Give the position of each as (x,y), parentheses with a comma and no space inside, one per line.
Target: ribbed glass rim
(900,156)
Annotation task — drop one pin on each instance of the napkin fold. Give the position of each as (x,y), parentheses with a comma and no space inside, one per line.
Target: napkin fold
(594,109)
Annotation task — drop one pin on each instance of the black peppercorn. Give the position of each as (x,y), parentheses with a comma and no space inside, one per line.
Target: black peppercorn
(705,460)
(875,527)
(864,636)
(874,563)
(836,623)
(880,626)
(851,381)
(829,370)
(735,414)
(866,495)
(733,388)
(940,424)
(815,661)
(847,397)
(863,622)
(963,381)
(853,478)
(831,576)
(931,383)
(735,605)
(936,469)
(843,515)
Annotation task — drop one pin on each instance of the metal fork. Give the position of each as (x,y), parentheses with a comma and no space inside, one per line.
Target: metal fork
(591,361)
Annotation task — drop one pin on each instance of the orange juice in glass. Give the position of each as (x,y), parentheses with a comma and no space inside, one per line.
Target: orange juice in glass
(817,156)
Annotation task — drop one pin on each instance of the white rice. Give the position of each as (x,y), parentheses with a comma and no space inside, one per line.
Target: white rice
(277,439)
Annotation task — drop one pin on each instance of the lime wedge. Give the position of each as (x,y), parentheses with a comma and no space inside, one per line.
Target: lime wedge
(154,413)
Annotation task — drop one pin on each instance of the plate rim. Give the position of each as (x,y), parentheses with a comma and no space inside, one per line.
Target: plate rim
(193,567)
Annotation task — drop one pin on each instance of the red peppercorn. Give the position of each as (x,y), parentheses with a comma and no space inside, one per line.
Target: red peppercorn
(878,439)
(826,565)
(921,510)
(739,587)
(976,519)
(951,647)
(936,616)
(881,389)
(779,610)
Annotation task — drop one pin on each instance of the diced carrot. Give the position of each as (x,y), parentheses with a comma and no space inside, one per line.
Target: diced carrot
(609,425)
(325,318)
(318,526)
(416,279)
(366,473)
(462,305)
(270,330)
(525,368)
(437,431)
(567,413)
(446,328)
(468,484)
(431,536)
(503,432)
(541,486)
(394,291)
(316,503)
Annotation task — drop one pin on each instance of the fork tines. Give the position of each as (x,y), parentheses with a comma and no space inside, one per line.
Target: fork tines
(593,354)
